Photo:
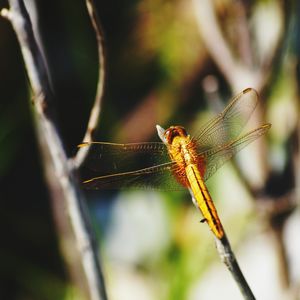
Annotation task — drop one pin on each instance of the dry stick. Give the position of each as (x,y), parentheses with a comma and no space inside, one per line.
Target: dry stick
(60,177)
(95,111)
(228,257)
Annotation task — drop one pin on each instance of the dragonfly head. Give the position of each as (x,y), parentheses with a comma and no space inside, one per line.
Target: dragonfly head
(168,135)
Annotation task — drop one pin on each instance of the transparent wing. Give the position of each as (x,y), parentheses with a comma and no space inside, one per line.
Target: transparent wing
(228,125)
(108,158)
(116,166)
(158,177)
(214,158)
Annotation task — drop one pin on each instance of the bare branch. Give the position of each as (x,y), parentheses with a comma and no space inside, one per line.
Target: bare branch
(59,174)
(228,258)
(95,111)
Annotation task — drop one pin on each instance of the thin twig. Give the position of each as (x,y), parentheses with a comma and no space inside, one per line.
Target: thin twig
(227,256)
(95,111)
(60,177)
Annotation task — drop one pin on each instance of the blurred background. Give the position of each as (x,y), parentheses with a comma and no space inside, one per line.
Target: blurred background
(168,63)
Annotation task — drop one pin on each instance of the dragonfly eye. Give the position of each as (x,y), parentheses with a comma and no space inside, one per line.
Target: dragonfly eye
(174,131)
(181,130)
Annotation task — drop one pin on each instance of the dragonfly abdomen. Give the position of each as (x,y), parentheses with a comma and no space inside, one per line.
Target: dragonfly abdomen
(203,200)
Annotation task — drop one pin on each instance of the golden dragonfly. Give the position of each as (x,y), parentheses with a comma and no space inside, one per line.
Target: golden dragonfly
(179,161)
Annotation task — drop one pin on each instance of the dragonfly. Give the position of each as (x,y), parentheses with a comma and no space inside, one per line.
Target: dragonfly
(179,161)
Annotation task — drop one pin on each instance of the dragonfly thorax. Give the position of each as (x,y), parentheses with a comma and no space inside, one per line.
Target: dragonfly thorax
(182,150)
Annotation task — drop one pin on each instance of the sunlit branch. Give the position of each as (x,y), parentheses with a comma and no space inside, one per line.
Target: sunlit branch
(228,258)
(60,177)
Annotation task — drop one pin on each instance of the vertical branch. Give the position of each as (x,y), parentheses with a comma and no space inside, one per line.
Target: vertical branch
(61,178)
(228,258)
(95,111)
